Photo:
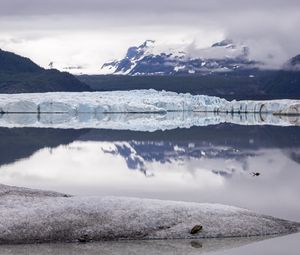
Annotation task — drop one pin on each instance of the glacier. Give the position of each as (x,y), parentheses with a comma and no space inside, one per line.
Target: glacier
(138,101)
(140,110)
(34,216)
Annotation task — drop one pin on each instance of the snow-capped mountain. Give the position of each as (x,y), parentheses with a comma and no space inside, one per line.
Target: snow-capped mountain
(147,59)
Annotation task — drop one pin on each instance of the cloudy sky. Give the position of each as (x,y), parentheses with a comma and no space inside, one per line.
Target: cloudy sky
(90,32)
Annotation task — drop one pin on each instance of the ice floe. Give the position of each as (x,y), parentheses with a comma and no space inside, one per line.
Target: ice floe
(31,216)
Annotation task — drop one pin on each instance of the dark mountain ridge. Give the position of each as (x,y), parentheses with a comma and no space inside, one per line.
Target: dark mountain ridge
(21,75)
(240,85)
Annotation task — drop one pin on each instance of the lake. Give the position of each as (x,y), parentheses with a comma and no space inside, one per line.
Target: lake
(254,167)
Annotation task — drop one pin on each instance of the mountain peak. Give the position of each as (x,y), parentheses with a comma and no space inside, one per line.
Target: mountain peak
(148,43)
(136,52)
(224,43)
(151,59)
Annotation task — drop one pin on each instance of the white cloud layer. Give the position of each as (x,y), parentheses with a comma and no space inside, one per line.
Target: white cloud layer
(87,33)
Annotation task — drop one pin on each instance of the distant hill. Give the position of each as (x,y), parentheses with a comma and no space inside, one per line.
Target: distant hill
(284,84)
(21,75)
(293,64)
(243,84)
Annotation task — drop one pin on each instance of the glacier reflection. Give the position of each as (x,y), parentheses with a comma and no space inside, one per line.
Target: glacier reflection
(143,121)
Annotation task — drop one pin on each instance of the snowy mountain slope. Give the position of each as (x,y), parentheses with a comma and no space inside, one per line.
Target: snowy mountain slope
(150,59)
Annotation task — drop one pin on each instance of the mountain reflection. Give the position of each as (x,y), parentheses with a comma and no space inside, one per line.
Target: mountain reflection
(138,153)
(201,164)
(225,140)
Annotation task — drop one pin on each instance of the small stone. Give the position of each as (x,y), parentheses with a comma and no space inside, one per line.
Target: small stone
(84,239)
(196,229)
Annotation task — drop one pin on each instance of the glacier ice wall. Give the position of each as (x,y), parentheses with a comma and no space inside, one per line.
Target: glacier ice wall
(137,101)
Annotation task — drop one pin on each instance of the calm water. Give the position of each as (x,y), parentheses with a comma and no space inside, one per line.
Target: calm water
(203,164)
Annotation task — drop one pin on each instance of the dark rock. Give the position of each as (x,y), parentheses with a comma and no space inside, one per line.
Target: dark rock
(84,239)
(196,229)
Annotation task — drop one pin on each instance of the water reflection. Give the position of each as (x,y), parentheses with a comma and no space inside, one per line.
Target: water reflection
(143,121)
(138,154)
(275,246)
(133,247)
(204,164)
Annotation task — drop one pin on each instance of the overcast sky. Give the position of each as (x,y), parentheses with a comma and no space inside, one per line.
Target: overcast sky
(90,32)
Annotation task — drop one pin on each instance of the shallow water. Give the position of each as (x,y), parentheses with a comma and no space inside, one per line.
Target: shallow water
(165,247)
(202,164)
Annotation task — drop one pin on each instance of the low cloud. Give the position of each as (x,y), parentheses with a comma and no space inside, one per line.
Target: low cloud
(270,27)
